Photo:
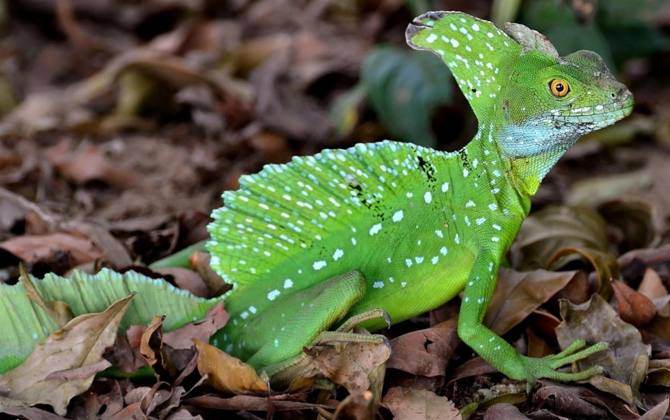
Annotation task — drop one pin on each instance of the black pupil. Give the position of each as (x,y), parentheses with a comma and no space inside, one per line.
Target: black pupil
(559,87)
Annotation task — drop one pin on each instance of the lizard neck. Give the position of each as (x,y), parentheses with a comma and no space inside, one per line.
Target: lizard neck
(528,172)
(530,151)
(512,191)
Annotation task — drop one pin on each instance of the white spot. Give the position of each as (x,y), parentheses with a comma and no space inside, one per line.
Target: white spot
(475,27)
(244,315)
(403,284)
(272,295)
(493,206)
(465,172)
(439,233)
(375,229)
(252,309)
(318,265)
(288,283)
(353,241)
(445,187)
(480,220)
(337,254)
(427,197)
(418,260)
(454,43)
(495,239)
(275,343)
(378,285)
(434,260)
(408,262)
(431,38)
(470,203)
(397,216)
(496,227)
(444,250)
(457,239)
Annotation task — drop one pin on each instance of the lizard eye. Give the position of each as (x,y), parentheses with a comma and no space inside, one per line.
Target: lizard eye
(559,87)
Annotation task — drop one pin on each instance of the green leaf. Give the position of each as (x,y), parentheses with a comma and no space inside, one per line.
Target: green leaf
(404,88)
(24,324)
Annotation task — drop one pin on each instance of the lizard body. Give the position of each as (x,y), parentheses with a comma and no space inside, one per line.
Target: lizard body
(412,226)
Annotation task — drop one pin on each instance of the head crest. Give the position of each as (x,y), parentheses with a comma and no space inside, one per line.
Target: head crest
(476,51)
(530,39)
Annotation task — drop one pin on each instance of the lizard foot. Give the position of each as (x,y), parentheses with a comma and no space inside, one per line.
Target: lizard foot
(546,367)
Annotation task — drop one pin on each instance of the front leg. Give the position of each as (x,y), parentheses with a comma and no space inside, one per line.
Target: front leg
(496,351)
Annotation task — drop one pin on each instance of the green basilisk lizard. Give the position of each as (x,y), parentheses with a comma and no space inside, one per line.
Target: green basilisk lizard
(399,228)
(412,226)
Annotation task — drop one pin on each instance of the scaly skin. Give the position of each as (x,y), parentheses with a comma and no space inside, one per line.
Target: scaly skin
(412,226)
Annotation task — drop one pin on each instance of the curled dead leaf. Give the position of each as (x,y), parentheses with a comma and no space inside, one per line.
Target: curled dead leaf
(518,294)
(546,232)
(633,307)
(58,311)
(227,373)
(66,363)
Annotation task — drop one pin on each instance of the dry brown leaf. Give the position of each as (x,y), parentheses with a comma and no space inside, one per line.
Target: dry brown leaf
(553,228)
(410,404)
(62,367)
(182,338)
(658,412)
(19,409)
(571,401)
(518,294)
(33,248)
(425,352)
(254,403)
(58,311)
(88,163)
(186,279)
(503,411)
(151,342)
(633,307)
(651,285)
(647,256)
(349,364)
(199,261)
(227,373)
(626,359)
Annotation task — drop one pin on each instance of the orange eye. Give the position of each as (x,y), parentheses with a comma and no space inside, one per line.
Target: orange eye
(559,87)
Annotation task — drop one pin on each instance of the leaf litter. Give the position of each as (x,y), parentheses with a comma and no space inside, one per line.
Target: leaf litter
(126,122)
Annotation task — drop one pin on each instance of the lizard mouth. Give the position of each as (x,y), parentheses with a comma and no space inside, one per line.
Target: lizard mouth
(593,117)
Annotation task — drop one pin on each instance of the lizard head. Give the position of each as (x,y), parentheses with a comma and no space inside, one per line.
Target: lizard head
(534,101)
(549,102)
